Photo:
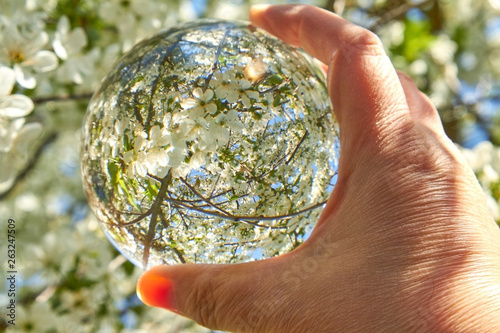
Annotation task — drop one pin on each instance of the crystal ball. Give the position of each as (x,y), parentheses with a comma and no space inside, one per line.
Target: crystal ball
(211,142)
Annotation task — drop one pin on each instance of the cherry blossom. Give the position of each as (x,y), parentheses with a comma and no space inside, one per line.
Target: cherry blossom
(68,45)
(12,106)
(22,38)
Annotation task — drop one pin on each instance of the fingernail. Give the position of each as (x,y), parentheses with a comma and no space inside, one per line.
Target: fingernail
(155,290)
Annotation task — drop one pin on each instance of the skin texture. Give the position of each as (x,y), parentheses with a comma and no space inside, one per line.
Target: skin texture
(405,242)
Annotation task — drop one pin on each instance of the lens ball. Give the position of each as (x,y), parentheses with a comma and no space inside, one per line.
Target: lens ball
(211,142)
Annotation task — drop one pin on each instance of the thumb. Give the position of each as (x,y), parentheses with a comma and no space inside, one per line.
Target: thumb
(221,297)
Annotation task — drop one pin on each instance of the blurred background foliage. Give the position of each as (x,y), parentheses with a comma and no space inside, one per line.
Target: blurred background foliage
(70,277)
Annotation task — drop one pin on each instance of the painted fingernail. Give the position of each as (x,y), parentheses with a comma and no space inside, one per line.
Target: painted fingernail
(155,290)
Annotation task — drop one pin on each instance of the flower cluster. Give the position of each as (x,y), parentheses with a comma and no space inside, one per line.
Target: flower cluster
(42,53)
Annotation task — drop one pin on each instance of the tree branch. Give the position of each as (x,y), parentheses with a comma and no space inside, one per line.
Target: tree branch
(397,12)
(148,241)
(246,219)
(203,198)
(31,164)
(60,98)
(297,147)
(176,251)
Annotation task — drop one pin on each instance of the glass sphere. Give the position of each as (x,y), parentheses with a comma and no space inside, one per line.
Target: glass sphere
(212,142)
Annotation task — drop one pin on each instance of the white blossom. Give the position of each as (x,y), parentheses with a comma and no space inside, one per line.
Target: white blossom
(225,84)
(12,106)
(68,45)
(244,92)
(22,39)
(201,104)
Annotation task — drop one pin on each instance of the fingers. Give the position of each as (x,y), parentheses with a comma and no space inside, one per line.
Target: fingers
(222,297)
(366,93)
(318,31)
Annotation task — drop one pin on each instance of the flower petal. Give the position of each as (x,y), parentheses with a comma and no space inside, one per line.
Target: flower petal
(7,80)
(211,108)
(244,84)
(8,132)
(232,96)
(38,41)
(246,101)
(188,103)
(45,61)
(63,27)
(198,93)
(24,77)
(252,94)
(15,106)
(221,91)
(208,95)
(76,40)
(59,49)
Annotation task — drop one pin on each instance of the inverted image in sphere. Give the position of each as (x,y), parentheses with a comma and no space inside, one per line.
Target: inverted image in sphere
(212,142)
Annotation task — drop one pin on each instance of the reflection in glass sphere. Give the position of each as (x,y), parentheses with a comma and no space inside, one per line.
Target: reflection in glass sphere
(212,142)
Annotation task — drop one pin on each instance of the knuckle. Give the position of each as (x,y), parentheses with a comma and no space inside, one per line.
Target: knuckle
(363,42)
(366,38)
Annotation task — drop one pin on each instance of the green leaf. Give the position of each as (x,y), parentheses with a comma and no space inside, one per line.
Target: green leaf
(240,176)
(257,115)
(152,191)
(126,143)
(113,171)
(275,79)
(277,100)
(130,199)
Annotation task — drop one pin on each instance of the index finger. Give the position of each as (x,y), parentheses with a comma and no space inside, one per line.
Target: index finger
(366,93)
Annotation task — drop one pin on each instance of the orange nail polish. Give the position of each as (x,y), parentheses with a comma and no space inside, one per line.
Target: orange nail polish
(155,290)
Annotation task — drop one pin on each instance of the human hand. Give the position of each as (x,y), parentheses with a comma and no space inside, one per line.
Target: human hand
(405,242)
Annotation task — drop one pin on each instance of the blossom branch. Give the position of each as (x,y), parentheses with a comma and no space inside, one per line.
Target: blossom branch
(61,98)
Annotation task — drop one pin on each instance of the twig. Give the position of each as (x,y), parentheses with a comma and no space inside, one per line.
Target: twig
(155,208)
(396,13)
(203,198)
(216,61)
(297,147)
(246,219)
(34,159)
(60,98)
(176,251)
